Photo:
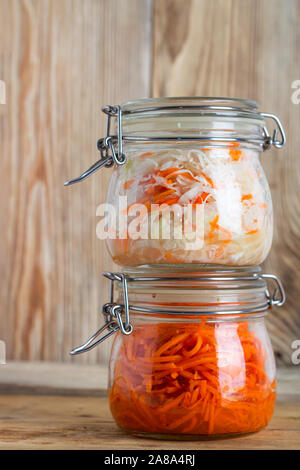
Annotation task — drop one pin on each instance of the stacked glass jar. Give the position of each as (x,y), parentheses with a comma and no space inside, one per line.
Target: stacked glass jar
(189,219)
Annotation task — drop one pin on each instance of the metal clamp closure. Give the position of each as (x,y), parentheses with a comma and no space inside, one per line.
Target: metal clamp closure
(269,141)
(107,146)
(113,313)
(279,290)
(111,147)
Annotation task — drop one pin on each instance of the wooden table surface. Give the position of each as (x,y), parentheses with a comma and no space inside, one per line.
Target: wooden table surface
(49,421)
(60,422)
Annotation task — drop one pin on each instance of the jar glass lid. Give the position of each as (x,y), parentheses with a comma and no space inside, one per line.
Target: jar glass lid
(196,105)
(134,285)
(206,289)
(207,276)
(213,121)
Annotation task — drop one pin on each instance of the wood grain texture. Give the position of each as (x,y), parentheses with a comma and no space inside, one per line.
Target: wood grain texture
(61,60)
(54,422)
(246,49)
(53,378)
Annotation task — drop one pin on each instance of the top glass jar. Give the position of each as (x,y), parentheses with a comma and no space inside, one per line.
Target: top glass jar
(188,185)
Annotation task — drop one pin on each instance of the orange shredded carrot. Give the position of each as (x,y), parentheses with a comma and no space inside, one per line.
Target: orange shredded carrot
(128,184)
(247,197)
(235,154)
(160,186)
(213,226)
(146,154)
(208,179)
(159,198)
(203,197)
(167,172)
(197,378)
(169,202)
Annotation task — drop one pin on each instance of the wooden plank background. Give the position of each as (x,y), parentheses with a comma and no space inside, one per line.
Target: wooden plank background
(61,60)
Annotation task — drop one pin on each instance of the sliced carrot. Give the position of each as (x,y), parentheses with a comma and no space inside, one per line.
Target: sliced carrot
(213,226)
(174,200)
(167,172)
(128,184)
(146,154)
(247,197)
(203,196)
(208,179)
(235,154)
(151,190)
(162,196)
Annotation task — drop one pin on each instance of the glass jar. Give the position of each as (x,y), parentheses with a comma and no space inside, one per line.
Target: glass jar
(194,360)
(188,185)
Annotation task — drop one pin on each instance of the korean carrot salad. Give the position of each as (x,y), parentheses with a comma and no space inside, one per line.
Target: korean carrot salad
(197,378)
(229,185)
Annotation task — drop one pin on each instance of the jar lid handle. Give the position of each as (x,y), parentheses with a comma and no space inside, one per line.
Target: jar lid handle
(269,141)
(111,147)
(106,146)
(112,313)
(279,289)
(91,343)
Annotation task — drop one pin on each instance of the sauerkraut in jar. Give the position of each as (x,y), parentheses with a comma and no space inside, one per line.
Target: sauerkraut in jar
(230,185)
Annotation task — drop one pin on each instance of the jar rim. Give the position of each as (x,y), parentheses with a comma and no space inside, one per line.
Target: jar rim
(112,311)
(211,289)
(199,277)
(247,282)
(248,127)
(204,103)
(217,121)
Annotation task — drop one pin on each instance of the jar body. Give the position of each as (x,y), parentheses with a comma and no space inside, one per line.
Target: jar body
(228,188)
(192,378)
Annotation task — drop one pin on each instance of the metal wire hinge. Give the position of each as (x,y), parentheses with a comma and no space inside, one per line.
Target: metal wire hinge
(278,297)
(112,314)
(269,141)
(107,146)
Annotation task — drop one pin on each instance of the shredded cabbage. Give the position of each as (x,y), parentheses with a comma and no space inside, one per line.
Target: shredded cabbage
(228,182)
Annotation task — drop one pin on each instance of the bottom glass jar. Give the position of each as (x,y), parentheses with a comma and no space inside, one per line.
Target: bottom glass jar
(198,362)
(200,378)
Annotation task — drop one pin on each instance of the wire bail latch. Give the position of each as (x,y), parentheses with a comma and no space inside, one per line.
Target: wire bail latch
(112,314)
(269,141)
(117,316)
(273,298)
(111,147)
